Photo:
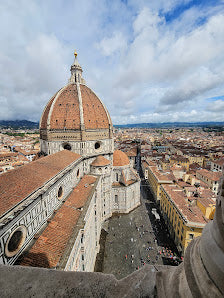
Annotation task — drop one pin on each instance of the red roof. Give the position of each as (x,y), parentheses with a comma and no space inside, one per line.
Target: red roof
(120,159)
(191,213)
(63,110)
(51,245)
(132,153)
(219,162)
(17,184)
(214,176)
(100,161)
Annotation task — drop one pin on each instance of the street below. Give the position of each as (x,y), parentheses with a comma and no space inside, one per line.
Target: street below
(136,239)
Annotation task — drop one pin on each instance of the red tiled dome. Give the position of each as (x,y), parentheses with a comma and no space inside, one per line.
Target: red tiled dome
(100,161)
(63,110)
(120,159)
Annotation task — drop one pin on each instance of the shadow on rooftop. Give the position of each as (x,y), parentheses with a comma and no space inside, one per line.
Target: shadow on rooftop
(34,260)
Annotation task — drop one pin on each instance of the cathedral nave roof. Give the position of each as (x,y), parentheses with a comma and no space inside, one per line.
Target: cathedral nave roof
(16,185)
(50,247)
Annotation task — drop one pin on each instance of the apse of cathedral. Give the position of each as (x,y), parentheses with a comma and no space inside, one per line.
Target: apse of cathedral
(52,210)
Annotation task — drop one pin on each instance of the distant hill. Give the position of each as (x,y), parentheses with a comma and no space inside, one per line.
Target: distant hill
(19,124)
(171,124)
(25,124)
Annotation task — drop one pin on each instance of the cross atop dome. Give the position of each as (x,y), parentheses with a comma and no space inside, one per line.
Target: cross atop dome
(76,72)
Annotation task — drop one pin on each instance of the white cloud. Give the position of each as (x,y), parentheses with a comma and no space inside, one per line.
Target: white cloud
(216,106)
(191,86)
(186,67)
(27,84)
(145,68)
(113,44)
(45,64)
(146,21)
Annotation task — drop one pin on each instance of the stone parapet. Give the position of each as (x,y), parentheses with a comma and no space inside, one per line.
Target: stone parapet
(190,279)
(18,281)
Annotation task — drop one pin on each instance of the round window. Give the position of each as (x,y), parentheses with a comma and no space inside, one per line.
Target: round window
(60,192)
(15,241)
(97,145)
(67,147)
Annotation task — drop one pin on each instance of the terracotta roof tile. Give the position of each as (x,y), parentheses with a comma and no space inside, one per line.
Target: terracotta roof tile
(120,184)
(132,153)
(8,154)
(162,176)
(100,161)
(66,112)
(51,245)
(191,213)
(219,162)
(207,193)
(206,201)
(17,184)
(94,112)
(120,159)
(214,176)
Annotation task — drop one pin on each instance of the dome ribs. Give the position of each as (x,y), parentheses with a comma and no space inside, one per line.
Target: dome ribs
(43,123)
(91,116)
(95,116)
(66,114)
(120,159)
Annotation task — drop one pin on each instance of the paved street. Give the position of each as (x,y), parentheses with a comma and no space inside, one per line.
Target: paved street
(136,239)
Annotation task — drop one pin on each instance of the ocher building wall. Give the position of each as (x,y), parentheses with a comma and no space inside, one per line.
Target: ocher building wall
(153,184)
(207,211)
(181,231)
(190,230)
(196,159)
(180,163)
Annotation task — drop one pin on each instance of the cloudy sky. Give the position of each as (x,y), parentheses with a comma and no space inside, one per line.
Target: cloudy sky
(149,61)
